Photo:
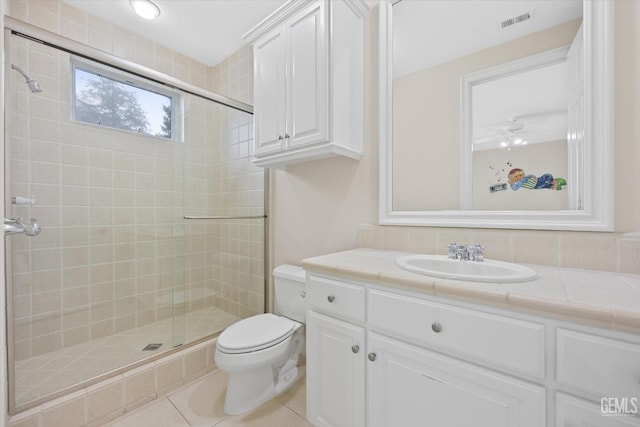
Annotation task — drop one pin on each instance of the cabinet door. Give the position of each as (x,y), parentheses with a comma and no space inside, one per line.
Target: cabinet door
(335,372)
(307,83)
(574,412)
(410,386)
(269,92)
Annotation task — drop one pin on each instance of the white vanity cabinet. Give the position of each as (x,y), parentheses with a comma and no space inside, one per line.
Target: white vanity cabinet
(407,384)
(410,383)
(378,356)
(308,91)
(336,351)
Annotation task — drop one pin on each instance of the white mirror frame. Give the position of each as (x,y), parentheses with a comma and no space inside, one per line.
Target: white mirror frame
(599,197)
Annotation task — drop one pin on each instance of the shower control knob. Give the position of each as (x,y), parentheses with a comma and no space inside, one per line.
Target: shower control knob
(436,327)
(355,348)
(372,356)
(331,298)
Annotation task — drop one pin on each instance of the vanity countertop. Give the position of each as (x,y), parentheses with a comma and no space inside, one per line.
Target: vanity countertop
(597,298)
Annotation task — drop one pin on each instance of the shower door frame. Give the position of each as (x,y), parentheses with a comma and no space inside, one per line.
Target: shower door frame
(16,27)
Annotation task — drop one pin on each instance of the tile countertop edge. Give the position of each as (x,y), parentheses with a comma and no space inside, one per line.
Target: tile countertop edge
(600,317)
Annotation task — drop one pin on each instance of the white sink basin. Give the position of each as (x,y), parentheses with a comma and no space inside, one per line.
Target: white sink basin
(485,271)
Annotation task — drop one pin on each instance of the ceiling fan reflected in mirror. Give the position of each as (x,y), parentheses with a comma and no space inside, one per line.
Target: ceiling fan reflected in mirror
(520,130)
(513,135)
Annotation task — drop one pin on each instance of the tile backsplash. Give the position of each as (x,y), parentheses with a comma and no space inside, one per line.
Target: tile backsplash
(615,252)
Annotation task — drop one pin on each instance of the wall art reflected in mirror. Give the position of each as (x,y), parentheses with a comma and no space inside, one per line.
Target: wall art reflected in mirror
(496,114)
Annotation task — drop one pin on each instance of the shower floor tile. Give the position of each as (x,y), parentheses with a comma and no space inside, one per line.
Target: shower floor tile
(45,374)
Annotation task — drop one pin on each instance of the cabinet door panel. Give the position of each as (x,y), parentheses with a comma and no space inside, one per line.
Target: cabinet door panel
(269,92)
(574,412)
(415,387)
(335,374)
(307,89)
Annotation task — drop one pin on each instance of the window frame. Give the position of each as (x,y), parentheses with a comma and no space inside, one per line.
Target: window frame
(135,81)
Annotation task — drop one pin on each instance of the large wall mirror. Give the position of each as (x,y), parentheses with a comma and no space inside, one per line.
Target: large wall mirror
(497,114)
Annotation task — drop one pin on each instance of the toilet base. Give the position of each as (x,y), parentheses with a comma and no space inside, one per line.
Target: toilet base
(261,383)
(247,389)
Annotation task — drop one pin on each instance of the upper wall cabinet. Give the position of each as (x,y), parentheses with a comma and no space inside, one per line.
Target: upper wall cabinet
(308,90)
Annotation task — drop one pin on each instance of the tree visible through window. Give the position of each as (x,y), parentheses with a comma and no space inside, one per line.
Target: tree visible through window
(114,103)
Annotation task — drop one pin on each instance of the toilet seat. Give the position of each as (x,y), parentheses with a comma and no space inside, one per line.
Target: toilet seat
(255,333)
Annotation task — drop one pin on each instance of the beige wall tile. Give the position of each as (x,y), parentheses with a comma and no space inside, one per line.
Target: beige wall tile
(140,387)
(105,400)
(195,364)
(169,375)
(69,413)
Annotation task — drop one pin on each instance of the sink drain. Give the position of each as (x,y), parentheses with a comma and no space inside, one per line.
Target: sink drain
(151,347)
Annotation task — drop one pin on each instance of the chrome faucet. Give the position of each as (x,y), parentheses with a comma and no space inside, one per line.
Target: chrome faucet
(462,252)
(16,226)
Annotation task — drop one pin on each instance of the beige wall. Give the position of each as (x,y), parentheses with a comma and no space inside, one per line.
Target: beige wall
(426,108)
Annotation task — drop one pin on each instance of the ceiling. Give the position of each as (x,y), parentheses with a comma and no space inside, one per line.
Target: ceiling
(450,29)
(206,30)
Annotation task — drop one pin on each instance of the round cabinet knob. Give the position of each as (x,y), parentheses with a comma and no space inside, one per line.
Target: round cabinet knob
(372,357)
(355,348)
(331,298)
(303,294)
(436,327)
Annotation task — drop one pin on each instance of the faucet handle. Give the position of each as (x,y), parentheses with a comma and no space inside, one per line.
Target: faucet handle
(32,229)
(477,252)
(453,250)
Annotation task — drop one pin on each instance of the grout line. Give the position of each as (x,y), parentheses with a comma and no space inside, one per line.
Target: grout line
(177,409)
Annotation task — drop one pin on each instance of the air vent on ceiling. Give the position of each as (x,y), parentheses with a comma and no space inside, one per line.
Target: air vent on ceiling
(517,19)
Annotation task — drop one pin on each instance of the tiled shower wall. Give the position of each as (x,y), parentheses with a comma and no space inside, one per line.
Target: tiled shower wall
(118,272)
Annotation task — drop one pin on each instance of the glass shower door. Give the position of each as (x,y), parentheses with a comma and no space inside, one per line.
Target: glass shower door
(95,290)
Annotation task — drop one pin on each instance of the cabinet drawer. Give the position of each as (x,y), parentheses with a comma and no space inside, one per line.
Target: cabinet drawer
(502,341)
(571,411)
(604,367)
(336,298)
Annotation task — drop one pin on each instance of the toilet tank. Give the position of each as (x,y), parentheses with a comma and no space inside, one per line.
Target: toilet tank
(290,284)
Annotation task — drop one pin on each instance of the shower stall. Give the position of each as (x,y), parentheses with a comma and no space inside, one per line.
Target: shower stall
(121,244)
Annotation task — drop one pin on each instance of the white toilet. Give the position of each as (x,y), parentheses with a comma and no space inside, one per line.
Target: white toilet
(260,353)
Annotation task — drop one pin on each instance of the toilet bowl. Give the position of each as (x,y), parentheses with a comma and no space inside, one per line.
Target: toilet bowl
(260,353)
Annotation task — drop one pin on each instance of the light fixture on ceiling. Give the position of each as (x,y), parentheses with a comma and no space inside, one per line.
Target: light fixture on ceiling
(511,140)
(145,9)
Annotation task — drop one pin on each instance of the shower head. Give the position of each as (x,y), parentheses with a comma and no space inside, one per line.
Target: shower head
(34,86)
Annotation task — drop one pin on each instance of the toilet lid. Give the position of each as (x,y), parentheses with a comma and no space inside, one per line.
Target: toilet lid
(255,333)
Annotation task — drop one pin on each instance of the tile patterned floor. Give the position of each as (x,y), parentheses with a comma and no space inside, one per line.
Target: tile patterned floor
(201,404)
(45,374)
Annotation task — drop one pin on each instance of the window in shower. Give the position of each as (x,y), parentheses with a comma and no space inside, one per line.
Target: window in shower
(104,96)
